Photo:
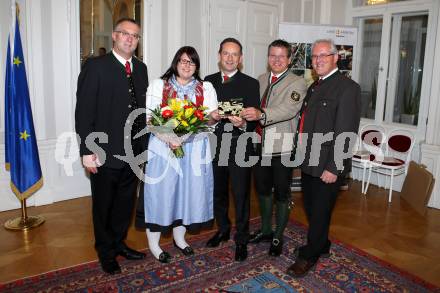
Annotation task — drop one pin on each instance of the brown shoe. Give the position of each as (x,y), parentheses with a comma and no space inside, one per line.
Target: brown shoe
(300,268)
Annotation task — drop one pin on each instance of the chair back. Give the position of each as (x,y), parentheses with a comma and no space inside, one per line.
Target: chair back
(400,144)
(372,139)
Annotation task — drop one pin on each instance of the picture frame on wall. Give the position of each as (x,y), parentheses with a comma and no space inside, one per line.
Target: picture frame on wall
(301,38)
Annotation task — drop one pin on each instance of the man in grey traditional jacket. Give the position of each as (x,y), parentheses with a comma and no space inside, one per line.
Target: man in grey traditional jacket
(282,94)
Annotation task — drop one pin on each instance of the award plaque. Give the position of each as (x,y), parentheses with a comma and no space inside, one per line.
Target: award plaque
(233,107)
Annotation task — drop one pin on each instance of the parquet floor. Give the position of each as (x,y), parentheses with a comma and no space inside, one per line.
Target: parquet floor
(392,232)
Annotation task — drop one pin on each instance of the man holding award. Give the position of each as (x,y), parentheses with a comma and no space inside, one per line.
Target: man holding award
(282,94)
(235,91)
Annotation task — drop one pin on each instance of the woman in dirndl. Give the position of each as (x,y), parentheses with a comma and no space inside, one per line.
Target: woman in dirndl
(178,192)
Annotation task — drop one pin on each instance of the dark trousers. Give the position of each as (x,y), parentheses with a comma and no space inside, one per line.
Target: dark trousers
(113,196)
(319,201)
(240,184)
(276,176)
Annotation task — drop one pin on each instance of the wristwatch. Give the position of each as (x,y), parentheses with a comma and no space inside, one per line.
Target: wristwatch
(262,116)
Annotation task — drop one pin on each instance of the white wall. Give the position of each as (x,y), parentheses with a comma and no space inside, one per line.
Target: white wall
(165,32)
(430,151)
(292,11)
(5,12)
(196,29)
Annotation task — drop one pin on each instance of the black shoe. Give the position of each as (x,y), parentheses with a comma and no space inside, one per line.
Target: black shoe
(258,237)
(324,254)
(110,266)
(217,238)
(164,257)
(131,254)
(276,247)
(240,252)
(187,251)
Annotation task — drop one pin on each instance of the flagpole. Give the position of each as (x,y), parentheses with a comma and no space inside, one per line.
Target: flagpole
(11,27)
(93,31)
(24,222)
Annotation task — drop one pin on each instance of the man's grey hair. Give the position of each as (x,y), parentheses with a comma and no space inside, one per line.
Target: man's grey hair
(329,42)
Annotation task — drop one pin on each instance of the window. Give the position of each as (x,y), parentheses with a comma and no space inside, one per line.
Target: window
(371,32)
(393,45)
(406,59)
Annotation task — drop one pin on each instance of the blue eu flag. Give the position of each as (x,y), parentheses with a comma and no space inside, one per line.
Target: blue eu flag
(20,141)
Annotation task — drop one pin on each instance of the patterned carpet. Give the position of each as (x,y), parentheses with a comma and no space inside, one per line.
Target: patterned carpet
(214,270)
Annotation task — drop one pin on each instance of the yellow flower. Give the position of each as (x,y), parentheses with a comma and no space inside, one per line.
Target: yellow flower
(175,105)
(189,112)
(179,115)
(184,123)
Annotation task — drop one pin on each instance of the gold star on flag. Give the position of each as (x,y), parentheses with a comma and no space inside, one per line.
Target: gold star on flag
(17,61)
(24,135)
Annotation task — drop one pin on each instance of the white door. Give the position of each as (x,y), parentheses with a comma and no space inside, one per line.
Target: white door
(227,19)
(253,23)
(262,29)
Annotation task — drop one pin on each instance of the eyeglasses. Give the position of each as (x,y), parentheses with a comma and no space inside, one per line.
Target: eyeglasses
(277,57)
(187,62)
(126,35)
(322,56)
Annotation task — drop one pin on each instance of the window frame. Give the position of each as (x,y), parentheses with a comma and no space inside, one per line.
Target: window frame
(386,11)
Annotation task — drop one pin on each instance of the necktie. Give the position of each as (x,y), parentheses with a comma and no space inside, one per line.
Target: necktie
(127,68)
(303,114)
(301,124)
(263,101)
(225,78)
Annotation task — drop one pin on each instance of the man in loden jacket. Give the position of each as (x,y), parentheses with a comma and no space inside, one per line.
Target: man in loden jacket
(282,94)
(110,87)
(328,125)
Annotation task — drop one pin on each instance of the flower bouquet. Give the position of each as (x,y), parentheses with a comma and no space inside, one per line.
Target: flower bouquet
(174,121)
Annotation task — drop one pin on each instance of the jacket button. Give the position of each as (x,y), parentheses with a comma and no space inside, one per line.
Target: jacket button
(324,104)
